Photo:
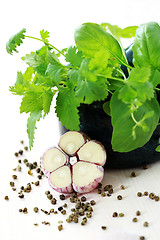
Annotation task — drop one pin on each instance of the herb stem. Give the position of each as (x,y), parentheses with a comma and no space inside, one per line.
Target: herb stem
(46,44)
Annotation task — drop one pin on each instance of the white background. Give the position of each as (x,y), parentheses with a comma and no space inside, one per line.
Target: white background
(61,18)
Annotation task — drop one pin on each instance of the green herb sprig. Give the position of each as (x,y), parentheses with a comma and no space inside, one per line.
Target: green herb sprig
(92,72)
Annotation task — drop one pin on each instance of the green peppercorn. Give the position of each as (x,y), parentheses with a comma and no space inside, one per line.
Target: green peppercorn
(99,191)
(139,194)
(122,187)
(88,214)
(25,160)
(103,194)
(152,196)
(11,184)
(51,210)
(142,238)
(83,199)
(110,190)
(121,214)
(133,174)
(60,227)
(115,214)
(63,212)
(85,219)
(53,201)
(6,198)
(75,219)
(36,183)
(26,148)
(145,193)
(68,220)
(49,196)
(47,192)
(138,213)
(81,212)
(62,197)
(156,198)
(92,202)
(16,154)
(65,205)
(83,223)
(35,209)
(119,197)
(145,224)
(14,176)
(104,227)
(135,219)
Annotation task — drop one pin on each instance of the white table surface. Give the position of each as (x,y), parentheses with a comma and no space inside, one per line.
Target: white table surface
(60,18)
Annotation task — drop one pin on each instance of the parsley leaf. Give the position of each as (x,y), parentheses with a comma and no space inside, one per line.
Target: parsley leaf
(15,41)
(31,125)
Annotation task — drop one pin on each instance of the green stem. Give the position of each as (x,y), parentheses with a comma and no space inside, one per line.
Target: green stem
(114,78)
(158,89)
(46,44)
(134,119)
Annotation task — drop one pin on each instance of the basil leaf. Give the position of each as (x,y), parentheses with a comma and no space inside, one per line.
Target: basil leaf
(127,135)
(146,49)
(90,38)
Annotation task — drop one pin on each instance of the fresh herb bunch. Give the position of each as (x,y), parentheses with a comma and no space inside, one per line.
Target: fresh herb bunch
(93,73)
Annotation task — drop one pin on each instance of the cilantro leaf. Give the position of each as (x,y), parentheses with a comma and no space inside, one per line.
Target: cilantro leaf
(32,100)
(31,125)
(44,35)
(47,99)
(88,91)
(73,56)
(66,109)
(54,72)
(15,41)
(137,86)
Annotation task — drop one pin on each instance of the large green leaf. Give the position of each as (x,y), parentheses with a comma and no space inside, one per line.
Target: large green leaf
(127,135)
(146,49)
(90,38)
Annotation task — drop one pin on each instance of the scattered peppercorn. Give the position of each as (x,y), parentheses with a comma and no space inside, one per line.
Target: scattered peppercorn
(145,193)
(135,219)
(20,210)
(60,208)
(152,196)
(19,161)
(63,212)
(19,168)
(104,227)
(121,214)
(99,191)
(14,189)
(83,199)
(115,214)
(88,214)
(119,197)
(26,148)
(47,192)
(6,198)
(139,194)
(65,205)
(25,210)
(46,223)
(51,210)
(156,198)
(122,187)
(62,197)
(14,176)
(11,184)
(145,224)
(103,194)
(99,185)
(21,141)
(49,196)
(36,224)
(110,190)
(138,213)
(36,183)
(92,202)
(35,209)
(53,201)
(30,172)
(133,174)
(16,154)
(20,152)
(25,160)
(21,195)
(39,177)
(60,227)
(142,238)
